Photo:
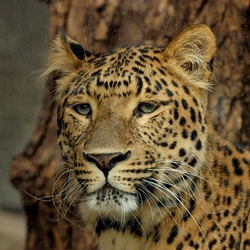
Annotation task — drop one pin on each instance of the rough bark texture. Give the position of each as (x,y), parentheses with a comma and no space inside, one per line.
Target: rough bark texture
(104,24)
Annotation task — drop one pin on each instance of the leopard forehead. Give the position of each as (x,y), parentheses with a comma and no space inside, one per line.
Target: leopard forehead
(123,72)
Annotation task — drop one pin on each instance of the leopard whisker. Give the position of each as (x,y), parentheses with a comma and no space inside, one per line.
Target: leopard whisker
(160,187)
(151,195)
(169,181)
(187,187)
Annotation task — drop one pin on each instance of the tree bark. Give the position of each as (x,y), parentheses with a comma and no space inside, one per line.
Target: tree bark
(104,24)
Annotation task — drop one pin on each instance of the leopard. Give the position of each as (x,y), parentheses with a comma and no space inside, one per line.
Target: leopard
(143,163)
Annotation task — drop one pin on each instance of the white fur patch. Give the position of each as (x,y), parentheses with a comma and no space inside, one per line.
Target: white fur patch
(111,202)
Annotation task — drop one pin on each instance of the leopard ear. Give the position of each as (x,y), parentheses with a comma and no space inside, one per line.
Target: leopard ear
(191,53)
(66,55)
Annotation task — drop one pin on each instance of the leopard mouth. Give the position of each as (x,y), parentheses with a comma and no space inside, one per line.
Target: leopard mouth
(112,201)
(109,190)
(109,193)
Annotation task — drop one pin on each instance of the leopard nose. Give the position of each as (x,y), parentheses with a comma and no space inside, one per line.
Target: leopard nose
(105,162)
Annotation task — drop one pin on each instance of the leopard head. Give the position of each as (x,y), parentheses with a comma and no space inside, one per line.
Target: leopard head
(132,122)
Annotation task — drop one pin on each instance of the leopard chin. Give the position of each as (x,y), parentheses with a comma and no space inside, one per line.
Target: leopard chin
(111,202)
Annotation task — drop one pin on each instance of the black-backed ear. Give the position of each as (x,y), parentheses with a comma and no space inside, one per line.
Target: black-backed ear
(191,52)
(66,55)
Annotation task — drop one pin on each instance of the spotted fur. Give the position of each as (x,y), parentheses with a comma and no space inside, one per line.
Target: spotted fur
(143,164)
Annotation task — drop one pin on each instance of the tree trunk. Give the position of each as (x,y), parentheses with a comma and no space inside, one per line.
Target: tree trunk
(104,24)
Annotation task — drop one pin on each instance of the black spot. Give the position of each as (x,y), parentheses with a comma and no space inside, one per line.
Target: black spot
(169,92)
(161,71)
(186,89)
(239,222)
(105,223)
(175,165)
(176,114)
(231,242)
(98,82)
(157,59)
(237,169)
(182,121)
(193,115)
(228,226)
(175,83)
(106,85)
(184,134)
(164,82)
(135,227)
(196,246)
(214,227)
(245,225)
(158,86)
(191,243)
(198,145)
(143,51)
(203,128)
(137,70)
(179,246)
(212,243)
(138,63)
(238,189)
(173,145)
(187,237)
(193,135)
(199,117)
(182,152)
(139,86)
(172,235)
(195,101)
(192,162)
(226,213)
(176,103)
(223,239)
(147,80)
(184,104)
(126,83)
(246,243)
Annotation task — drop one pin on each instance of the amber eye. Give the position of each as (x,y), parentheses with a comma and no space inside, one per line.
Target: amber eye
(145,108)
(82,109)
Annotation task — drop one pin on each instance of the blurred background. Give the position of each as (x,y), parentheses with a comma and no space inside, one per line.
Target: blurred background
(23,56)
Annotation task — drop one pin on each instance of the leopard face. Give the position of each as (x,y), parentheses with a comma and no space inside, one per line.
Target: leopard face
(131,123)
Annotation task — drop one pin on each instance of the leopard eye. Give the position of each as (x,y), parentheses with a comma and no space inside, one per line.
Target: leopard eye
(82,109)
(145,108)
